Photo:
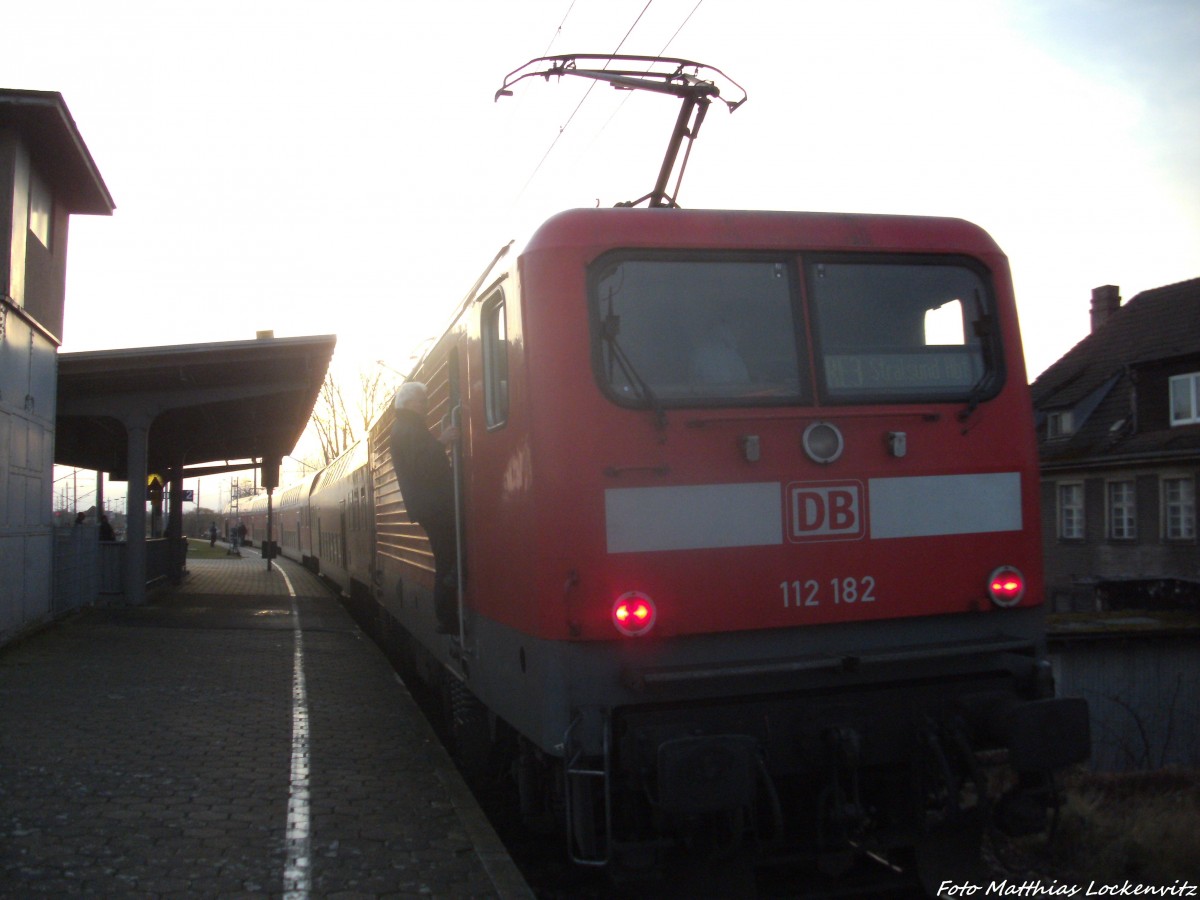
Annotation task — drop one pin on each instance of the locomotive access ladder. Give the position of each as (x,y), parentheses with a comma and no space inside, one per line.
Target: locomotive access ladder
(579,778)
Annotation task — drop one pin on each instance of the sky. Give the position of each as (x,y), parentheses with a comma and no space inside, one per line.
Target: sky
(343,168)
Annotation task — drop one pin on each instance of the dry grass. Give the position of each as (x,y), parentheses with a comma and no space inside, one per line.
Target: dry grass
(198,549)
(1142,827)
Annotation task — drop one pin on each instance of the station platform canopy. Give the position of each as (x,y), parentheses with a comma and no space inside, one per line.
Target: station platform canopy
(209,405)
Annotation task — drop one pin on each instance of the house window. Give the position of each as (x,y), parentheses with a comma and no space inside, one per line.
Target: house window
(1070,512)
(1179,509)
(1122,509)
(40,208)
(1185,399)
(1059,425)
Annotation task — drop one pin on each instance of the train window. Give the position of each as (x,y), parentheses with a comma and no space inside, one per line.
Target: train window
(690,331)
(903,331)
(495,360)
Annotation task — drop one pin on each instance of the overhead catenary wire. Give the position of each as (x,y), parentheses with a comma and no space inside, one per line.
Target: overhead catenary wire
(558,30)
(662,52)
(687,18)
(562,128)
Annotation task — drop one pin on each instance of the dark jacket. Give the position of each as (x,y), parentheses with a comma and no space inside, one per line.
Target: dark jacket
(422,469)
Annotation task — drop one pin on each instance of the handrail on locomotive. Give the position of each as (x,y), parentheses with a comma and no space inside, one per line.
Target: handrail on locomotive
(695,92)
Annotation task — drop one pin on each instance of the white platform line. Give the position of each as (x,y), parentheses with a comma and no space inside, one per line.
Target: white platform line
(297,870)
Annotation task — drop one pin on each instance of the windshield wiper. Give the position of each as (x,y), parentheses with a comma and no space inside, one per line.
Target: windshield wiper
(983,331)
(974,398)
(616,353)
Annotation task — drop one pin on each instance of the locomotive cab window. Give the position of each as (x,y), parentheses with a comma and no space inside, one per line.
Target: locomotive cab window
(494,330)
(691,331)
(903,331)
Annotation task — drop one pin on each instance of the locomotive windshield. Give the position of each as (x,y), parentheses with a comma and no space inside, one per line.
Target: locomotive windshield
(682,331)
(686,331)
(900,331)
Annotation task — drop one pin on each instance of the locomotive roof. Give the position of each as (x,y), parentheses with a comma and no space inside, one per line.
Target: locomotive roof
(760,229)
(206,403)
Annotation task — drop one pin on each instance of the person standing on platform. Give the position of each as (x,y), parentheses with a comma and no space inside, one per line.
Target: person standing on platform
(427,485)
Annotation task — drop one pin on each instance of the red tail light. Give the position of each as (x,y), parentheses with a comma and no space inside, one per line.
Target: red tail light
(634,614)
(1006,587)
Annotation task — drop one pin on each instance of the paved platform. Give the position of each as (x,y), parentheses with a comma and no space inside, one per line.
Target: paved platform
(236,736)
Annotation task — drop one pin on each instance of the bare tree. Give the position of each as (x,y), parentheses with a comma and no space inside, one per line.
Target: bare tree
(331,421)
(376,390)
(338,426)
(243,487)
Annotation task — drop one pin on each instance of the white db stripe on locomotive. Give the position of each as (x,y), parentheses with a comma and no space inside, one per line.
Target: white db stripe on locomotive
(709,516)
(694,517)
(944,504)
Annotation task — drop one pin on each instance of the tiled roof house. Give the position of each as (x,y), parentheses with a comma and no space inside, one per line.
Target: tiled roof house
(1118,422)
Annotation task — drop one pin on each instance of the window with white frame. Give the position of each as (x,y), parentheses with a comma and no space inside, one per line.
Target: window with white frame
(1179,509)
(1122,511)
(1059,425)
(1185,399)
(1070,512)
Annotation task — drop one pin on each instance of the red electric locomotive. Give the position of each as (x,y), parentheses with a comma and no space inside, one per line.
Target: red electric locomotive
(747,510)
(749,527)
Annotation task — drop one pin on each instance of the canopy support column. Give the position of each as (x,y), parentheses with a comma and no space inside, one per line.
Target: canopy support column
(177,557)
(138,431)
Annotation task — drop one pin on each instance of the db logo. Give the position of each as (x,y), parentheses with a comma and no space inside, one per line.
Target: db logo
(826,511)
